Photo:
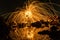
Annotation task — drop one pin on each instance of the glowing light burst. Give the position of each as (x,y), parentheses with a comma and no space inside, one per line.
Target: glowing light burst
(34,12)
(28,14)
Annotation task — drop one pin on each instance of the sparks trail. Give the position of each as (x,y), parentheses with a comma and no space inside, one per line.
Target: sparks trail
(33,12)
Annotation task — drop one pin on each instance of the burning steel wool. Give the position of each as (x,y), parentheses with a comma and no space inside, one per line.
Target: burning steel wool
(21,22)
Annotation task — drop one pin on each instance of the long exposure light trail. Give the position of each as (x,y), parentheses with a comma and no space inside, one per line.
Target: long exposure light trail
(33,13)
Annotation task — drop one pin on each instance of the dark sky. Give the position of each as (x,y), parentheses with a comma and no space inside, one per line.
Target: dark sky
(9,5)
